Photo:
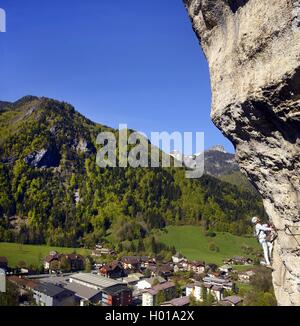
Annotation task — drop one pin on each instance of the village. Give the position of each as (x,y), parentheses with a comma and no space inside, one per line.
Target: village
(73,280)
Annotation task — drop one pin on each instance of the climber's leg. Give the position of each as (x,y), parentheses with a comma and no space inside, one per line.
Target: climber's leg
(270,246)
(265,247)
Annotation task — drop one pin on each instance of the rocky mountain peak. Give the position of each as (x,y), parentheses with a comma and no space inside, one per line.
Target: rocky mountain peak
(218,148)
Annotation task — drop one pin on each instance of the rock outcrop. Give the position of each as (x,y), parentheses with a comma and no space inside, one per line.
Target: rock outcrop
(253,51)
(45,158)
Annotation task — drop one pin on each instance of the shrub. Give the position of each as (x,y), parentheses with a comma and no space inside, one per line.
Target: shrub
(210,234)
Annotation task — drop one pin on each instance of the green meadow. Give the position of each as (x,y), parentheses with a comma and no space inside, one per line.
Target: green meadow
(195,245)
(32,254)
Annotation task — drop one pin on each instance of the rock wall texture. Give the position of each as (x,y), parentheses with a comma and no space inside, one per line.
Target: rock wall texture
(253,51)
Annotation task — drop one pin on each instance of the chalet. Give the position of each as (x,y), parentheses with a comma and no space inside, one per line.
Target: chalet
(147,283)
(76,261)
(131,262)
(112,270)
(165,270)
(146,261)
(3,263)
(153,269)
(177,302)
(48,260)
(197,267)
(150,296)
(245,277)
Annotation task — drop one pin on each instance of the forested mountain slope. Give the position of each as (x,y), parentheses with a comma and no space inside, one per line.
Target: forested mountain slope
(52,191)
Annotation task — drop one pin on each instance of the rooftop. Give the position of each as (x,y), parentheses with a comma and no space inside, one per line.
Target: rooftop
(160,287)
(49,289)
(215,280)
(158,279)
(82,291)
(234,299)
(23,282)
(56,280)
(95,280)
(115,289)
(111,267)
(192,285)
(131,259)
(178,302)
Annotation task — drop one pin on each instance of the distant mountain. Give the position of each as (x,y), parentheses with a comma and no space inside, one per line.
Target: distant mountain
(217,161)
(220,164)
(4,104)
(52,191)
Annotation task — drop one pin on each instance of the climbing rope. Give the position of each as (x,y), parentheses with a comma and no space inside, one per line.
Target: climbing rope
(287,227)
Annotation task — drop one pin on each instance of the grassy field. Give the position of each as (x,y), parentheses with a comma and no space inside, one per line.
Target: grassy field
(32,254)
(192,243)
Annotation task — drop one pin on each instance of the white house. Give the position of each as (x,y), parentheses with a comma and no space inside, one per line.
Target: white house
(177,258)
(195,290)
(147,283)
(217,292)
(149,297)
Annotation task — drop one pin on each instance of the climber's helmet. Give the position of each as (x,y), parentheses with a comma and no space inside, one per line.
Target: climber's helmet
(254,220)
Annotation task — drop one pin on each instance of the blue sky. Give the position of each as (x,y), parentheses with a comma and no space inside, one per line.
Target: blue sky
(135,62)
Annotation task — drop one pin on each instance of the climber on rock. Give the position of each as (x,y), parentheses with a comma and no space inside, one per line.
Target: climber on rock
(262,232)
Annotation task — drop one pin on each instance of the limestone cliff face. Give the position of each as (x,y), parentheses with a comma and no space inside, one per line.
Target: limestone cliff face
(253,51)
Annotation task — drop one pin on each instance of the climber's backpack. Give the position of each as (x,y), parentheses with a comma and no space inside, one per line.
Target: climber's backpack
(271,236)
